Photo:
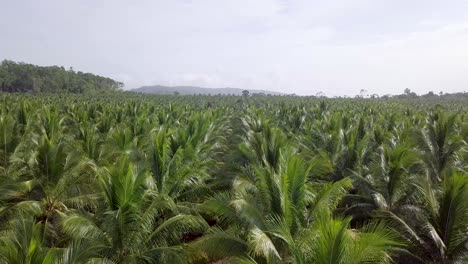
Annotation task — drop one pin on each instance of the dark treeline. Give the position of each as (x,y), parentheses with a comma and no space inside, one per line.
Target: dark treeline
(23,77)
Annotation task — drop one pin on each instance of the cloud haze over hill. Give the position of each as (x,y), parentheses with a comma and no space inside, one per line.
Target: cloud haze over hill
(337,47)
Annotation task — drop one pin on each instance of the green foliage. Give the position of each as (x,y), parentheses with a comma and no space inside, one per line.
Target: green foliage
(130,178)
(22,77)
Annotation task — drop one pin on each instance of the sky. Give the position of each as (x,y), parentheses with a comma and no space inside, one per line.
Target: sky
(336,47)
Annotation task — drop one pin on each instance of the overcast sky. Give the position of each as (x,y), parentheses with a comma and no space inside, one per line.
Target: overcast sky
(305,46)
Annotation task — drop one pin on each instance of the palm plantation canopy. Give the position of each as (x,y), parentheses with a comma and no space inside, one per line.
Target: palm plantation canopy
(127,178)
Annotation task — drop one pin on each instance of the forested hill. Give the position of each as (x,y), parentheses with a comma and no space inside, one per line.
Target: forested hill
(23,77)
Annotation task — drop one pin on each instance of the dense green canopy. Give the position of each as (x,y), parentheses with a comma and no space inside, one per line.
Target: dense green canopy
(129,178)
(22,77)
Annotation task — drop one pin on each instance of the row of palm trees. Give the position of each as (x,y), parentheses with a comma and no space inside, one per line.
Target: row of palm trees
(179,179)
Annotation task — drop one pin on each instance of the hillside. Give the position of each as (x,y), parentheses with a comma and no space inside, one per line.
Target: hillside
(188,90)
(23,77)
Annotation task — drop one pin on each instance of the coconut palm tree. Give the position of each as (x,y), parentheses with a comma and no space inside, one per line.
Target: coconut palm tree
(443,224)
(439,142)
(289,234)
(272,205)
(22,241)
(133,225)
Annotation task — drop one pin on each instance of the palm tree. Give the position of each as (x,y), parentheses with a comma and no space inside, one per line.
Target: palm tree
(131,226)
(21,242)
(274,211)
(388,191)
(443,224)
(9,139)
(51,176)
(332,241)
(439,142)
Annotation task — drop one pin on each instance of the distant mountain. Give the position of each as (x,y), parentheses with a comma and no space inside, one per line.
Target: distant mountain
(193,90)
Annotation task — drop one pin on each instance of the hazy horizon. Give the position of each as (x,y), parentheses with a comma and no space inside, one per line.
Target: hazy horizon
(336,47)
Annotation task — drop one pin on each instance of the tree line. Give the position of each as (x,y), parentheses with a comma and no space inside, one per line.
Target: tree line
(23,77)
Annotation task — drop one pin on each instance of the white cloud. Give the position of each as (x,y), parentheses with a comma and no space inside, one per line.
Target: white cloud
(337,47)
